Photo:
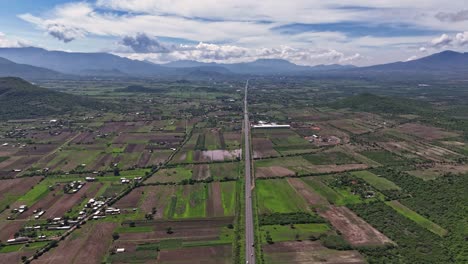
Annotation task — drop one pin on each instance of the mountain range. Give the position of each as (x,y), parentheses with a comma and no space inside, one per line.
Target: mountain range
(37,63)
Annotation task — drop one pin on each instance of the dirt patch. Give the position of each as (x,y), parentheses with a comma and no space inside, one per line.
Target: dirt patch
(9,229)
(197,255)
(354,229)
(88,247)
(263,148)
(201,172)
(104,161)
(214,206)
(307,252)
(426,132)
(17,186)
(130,200)
(308,193)
(157,197)
(219,155)
(273,171)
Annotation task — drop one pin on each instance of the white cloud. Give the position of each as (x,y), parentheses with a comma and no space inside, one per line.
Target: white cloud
(462,38)
(206,52)
(441,42)
(412,58)
(10,43)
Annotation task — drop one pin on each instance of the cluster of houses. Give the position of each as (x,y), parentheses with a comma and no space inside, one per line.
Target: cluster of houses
(74,186)
(263,124)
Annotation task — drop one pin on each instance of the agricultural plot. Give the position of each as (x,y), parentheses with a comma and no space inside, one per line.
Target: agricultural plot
(425,132)
(189,201)
(438,170)
(277,196)
(284,141)
(176,174)
(384,157)
(280,233)
(89,245)
(419,219)
(15,253)
(13,189)
(355,230)
(280,167)
(354,126)
(308,252)
(380,183)
(333,195)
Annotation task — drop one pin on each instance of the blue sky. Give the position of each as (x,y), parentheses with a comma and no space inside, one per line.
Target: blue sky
(307,32)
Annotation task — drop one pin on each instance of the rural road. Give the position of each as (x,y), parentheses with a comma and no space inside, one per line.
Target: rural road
(249,224)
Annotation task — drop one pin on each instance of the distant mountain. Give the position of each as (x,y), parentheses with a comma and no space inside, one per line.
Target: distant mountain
(82,63)
(446,61)
(260,67)
(11,69)
(21,100)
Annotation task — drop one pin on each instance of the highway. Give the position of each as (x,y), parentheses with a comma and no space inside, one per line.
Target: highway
(249,223)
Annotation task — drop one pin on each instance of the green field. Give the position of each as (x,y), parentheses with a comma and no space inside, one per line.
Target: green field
(417,218)
(326,158)
(136,229)
(176,174)
(188,202)
(280,233)
(277,196)
(228,196)
(225,170)
(35,194)
(383,157)
(334,196)
(380,183)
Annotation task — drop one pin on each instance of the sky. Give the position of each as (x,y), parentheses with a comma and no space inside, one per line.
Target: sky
(305,32)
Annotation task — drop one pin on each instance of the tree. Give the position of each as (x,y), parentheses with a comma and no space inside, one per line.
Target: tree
(268,238)
(115,236)
(169,230)
(116,171)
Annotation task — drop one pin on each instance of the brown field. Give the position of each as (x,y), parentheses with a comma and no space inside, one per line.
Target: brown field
(426,132)
(157,197)
(218,155)
(90,246)
(134,148)
(307,192)
(214,207)
(8,229)
(37,149)
(276,171)
(15,257)
(84,138)
(130,200)
(103,161)
(201,172)
(351,125)
(263,148)
(171,139)
(18,162)
(308,252)
(68,201)
(427,151)
(54,139)
(17,186)
(355,230)
(44,204)
(197,255)
(144,158)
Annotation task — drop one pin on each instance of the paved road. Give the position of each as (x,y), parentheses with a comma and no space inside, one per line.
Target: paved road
(249,224)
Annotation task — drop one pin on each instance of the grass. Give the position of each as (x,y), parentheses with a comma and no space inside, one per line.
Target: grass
(228,196)
(329,158)
(35,194)
(277,196)
(223,170)
(297,164)
(380,183)
(299,231)
(2,159)
(190,202)
(321,188)
(11,248)
(417,218)
(383,157)
(176,174)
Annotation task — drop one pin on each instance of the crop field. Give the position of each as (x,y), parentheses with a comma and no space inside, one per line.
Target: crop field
(419,219)
(284,141)
(439,170)
(280,233)
(278,196)
(380,183)
(308,252)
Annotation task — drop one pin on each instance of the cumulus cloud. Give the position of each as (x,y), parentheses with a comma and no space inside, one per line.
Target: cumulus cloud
(412,58)
(462,39)
(440,42)
(453,17)
(10,43)
(142,43)
(64,33)
(208,52)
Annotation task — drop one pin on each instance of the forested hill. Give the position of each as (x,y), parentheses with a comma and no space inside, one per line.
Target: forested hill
(21,100)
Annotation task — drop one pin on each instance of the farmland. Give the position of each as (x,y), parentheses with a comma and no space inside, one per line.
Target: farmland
(349,181)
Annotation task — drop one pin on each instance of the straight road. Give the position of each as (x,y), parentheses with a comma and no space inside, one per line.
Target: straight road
(249,224)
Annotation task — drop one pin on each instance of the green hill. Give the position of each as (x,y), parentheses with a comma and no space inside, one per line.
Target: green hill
(21,100)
